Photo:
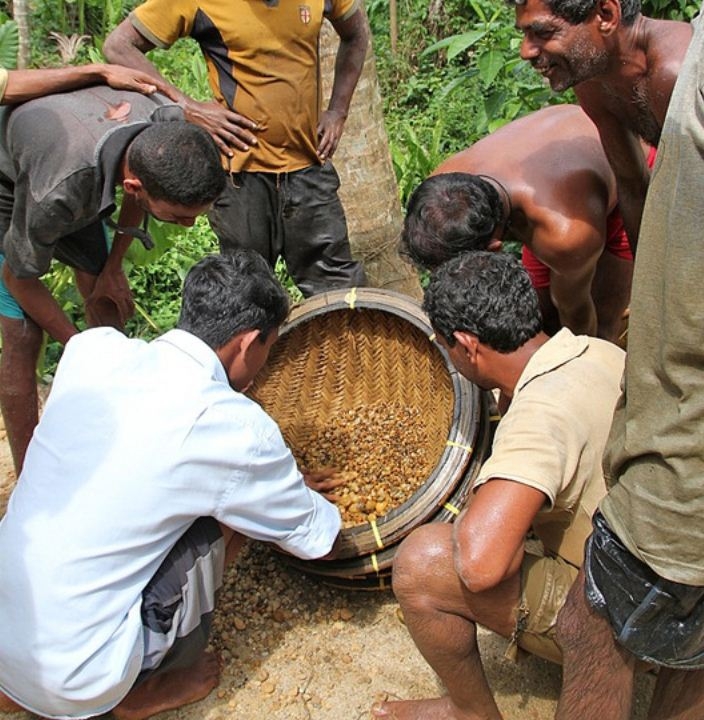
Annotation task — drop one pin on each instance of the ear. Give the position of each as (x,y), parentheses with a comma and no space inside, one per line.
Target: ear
(237,348)
(608,16)
(132,185)
(468,342)
(247,338)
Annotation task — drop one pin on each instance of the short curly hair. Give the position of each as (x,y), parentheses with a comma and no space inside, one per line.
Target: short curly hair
(488,294)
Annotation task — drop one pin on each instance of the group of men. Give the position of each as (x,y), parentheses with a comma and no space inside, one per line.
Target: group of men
(152,466)
(570,184)
(280,197)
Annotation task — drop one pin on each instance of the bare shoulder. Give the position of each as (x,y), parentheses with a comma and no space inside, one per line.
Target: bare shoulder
(667,42)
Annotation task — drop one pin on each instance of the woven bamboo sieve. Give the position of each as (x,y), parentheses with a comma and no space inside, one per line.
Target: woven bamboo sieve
(348,349)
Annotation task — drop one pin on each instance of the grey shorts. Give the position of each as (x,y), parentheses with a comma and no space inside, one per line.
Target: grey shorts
(657,620)
(178,602)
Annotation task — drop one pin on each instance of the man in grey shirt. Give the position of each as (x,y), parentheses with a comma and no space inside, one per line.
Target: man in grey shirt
(61,159)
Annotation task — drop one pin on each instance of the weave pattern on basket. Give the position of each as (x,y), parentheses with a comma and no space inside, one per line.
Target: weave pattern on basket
(349,359)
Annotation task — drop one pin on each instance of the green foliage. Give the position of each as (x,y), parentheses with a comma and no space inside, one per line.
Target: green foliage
(9,43)
(670,9)
(413,160)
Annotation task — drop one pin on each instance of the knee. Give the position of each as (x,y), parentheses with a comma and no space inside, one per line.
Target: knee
(423,555)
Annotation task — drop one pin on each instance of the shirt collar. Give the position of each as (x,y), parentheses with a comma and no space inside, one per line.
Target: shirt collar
(195,348)
(560,349)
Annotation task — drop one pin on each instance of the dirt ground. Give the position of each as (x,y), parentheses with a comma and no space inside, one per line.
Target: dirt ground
(294,648)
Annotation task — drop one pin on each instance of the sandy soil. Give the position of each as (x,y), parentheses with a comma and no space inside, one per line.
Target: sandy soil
(294,648)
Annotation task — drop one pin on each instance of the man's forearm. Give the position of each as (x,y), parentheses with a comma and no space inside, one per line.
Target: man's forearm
(126,46)
(35,299)
(581,319)
(23,85)
(349,62)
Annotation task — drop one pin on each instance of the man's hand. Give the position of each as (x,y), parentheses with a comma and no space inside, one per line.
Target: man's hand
(228,129)
(323,481)
(111,301)
(124,78)
(330,127)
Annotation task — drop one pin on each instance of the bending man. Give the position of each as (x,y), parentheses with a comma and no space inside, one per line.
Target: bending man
(544,181)
(62,158)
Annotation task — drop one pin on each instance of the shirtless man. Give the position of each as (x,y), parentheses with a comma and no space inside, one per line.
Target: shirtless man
(622,66)
(543,180)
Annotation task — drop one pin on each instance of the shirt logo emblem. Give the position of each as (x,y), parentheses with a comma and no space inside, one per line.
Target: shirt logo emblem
(304,14)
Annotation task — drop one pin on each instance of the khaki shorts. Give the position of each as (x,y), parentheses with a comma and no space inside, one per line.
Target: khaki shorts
(545,582)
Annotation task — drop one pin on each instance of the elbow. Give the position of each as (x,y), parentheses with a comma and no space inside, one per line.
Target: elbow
(116,45)
(477,574)
(111,49)
(334,550)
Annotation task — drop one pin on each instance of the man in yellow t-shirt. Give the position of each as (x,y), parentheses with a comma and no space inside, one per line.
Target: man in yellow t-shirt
(263,69)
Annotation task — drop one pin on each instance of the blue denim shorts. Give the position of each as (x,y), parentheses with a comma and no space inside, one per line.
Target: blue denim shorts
(657,620)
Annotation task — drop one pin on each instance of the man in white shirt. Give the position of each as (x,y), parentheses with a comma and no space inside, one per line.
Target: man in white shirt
(148,468)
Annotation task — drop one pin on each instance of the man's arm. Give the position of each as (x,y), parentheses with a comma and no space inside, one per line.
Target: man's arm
(23,85)
(489,536)
(623,149)
(111,301)
(571,251)
(354,39)
(125,44)
(35,299)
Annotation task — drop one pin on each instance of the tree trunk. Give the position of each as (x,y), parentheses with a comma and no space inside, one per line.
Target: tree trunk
(368,186)
(20,12)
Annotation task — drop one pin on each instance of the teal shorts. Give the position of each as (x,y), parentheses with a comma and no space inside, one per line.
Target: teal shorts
(8,305)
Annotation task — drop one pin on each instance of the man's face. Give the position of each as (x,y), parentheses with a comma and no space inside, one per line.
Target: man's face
(171,212)
(463,364)
(564,54)
(242,374)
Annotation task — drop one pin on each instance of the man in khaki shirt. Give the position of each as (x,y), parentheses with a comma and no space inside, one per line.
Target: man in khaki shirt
(544,474)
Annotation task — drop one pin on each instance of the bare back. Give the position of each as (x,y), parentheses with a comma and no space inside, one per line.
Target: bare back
(553,166)
(562,191)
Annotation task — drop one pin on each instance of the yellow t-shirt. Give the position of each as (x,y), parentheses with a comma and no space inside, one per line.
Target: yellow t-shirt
(262,58)
(3,82)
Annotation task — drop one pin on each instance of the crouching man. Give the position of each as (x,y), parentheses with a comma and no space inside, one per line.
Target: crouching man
(148,468)
(544,473)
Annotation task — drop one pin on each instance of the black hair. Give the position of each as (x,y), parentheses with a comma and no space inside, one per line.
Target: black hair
(224,295)
(177,162)
(577,11)
(488,294)
(449,214)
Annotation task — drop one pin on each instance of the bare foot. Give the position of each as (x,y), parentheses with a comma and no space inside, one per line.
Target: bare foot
(170,690)
(7,705)
(432,709)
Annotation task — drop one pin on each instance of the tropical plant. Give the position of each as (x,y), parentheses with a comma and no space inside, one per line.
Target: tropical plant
(9,42)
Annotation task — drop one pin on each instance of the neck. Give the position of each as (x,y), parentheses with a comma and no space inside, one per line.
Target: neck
(515,363)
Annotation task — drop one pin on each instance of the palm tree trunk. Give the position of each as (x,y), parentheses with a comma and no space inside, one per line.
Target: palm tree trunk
(20,16)
(368,186)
